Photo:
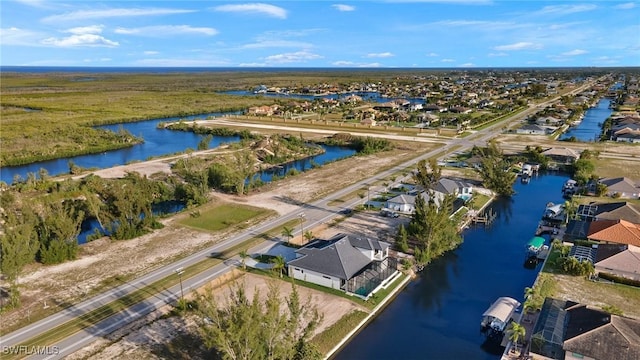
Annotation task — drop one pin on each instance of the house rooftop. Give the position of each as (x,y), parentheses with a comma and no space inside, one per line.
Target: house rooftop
(338,256)
(617,231)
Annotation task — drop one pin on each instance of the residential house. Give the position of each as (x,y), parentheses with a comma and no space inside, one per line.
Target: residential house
(403,203)
(568,330)
(562,155)
(533,129)
(630,137)
(615,259)
(549,120)
(354,265)
(623,263)
(461,189)
(615,232)
(263,110)
(609,211)
(622,187)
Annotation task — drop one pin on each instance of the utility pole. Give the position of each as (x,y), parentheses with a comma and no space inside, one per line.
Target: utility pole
(180,271)
(301,216)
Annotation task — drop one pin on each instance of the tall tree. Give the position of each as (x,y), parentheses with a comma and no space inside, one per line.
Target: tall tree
(427,174)
(287,232)
(279,264)
(18,247)
(516,333)
(259,328)
(495,170)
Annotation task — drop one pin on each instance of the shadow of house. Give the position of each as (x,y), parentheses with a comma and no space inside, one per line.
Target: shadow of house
(356,266)
(568,330)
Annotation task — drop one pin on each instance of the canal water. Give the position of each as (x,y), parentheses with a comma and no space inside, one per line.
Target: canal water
(157,142)
(591,126)
(437,316)
(365,95)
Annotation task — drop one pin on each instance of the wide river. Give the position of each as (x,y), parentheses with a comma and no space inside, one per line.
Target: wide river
(437,316)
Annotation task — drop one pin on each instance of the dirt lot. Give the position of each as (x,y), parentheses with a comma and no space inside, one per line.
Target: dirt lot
(584,291)
(151,337)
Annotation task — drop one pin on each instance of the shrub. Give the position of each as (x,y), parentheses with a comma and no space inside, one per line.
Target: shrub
(619,279)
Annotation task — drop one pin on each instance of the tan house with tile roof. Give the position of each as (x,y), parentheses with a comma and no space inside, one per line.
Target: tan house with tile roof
(625,264)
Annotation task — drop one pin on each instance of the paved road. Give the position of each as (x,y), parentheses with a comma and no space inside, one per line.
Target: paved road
(314,214)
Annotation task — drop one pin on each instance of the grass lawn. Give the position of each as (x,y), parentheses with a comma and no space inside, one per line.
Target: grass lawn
(223,216)
(329,338)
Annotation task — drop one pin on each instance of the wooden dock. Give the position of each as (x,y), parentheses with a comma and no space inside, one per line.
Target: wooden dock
(486,217)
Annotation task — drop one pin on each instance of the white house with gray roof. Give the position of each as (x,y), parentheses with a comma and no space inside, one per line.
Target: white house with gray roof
(354,265)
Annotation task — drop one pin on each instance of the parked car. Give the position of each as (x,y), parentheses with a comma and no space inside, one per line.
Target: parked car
(388,213)
(346,211)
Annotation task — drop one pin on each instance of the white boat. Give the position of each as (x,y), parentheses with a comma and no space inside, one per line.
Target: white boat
(499,314)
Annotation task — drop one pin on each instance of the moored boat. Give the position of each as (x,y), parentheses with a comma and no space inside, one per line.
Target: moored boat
(496,318)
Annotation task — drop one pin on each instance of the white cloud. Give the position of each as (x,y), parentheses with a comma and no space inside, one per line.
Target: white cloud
(298,56)
(448,60)
(462,2)
(182,62)
(380,55)
(467,65)
(252,65)
(116,12)
(497,54)
(370,65)
(574,52)
(432,54)
(260,8)
(80,40)
(565,9)
(167,30)
(343,63)
(343,7)
(36,3)
(93,29)
(151,52)
(275,44)
(625,6)
(523,45)
(20,37)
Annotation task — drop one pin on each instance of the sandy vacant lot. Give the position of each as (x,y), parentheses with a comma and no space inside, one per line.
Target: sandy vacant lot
(150,338)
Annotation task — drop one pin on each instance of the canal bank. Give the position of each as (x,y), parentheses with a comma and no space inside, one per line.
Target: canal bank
(590,127)
(438,315)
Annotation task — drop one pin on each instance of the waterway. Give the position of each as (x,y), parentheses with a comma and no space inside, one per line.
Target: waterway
(591,126)
(365,95)
(437,316)
(157,142)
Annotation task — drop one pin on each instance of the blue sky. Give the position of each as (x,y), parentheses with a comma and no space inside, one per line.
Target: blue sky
(391,33)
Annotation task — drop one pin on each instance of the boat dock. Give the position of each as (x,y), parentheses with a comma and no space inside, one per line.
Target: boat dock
(485,218)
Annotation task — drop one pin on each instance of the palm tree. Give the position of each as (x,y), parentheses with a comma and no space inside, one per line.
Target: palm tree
(287,232)
(278,264)
(516,332)
(243,256)
(308,235)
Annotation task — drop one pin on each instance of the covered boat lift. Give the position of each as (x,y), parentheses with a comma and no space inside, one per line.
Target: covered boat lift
(499,314)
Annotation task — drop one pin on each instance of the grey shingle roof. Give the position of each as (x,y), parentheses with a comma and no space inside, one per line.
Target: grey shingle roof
(335,257)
